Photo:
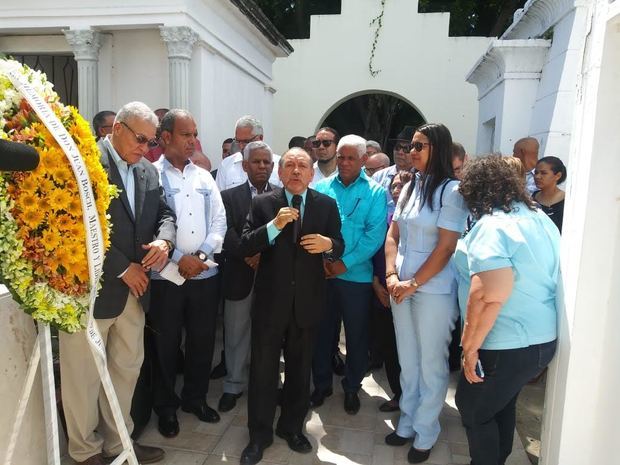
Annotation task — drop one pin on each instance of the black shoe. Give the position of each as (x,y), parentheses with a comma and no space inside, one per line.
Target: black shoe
(296,441)
(318,397)
(389,406)
(394,439)
(168,425)
(253,453)
(418,456)
(228,401)
(220,370)
(351,403)
(338,365)
(203,412)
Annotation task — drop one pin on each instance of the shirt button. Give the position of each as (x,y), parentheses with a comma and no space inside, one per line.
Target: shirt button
(192,232)
(190,214)
(292,283)
(187,195)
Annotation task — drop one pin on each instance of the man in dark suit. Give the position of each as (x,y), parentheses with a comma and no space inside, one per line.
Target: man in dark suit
(238,276)
(143,233)
(293,229)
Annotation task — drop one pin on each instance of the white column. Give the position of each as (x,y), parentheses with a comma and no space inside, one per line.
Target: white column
(180,41)
(507,77)
(85,44)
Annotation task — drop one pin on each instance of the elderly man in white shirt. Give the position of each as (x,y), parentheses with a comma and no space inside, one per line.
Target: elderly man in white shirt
(201,221)
(231,173)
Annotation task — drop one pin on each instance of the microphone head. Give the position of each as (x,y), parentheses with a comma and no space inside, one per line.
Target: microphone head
(17,157)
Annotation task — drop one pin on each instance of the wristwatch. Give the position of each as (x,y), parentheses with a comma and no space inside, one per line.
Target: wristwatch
(201,255)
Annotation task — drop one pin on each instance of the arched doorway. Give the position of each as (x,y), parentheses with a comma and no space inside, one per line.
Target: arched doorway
(375,115)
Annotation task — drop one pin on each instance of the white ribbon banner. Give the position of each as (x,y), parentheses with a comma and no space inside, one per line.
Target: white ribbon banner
(94,247)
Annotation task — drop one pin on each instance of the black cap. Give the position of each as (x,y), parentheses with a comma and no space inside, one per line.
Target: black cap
(405,134)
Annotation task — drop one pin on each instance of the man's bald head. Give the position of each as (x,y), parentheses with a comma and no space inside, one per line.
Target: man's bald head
(376,162)
(526,150)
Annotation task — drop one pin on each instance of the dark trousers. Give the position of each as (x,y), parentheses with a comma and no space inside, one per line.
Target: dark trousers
(267,343)
(382,326)
(192,305)
(351,302)
(488,409)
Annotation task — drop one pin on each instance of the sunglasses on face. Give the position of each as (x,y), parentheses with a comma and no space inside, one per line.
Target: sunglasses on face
(326,143)
(141,138)
(417,146)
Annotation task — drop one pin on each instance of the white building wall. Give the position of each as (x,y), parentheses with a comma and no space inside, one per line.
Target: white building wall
(552,116)
(581,422)
(229,72)
(417,59)
(133,65)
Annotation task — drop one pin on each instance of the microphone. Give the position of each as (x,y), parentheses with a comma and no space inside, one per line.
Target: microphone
(17,157)
(296,203)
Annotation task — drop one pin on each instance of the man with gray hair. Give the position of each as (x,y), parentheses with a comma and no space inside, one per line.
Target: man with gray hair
(363,211)
(230,173)
(238,277)
(526,150)
(143,233)
(372,147)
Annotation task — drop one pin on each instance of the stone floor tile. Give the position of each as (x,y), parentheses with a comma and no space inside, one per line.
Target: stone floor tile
(182,457)
(232,442)
(440,455)
(461,459)
(382,455)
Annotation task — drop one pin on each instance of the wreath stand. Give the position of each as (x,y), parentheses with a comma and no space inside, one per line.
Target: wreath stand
(42,351)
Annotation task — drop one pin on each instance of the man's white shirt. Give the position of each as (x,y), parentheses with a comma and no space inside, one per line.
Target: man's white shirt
(231,174)
(201,216)
(318,174)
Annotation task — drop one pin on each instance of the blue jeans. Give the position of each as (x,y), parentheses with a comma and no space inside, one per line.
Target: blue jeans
(488,409)
(423,324)
(349,301)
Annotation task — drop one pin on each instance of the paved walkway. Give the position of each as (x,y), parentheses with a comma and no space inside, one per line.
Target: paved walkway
(337,438)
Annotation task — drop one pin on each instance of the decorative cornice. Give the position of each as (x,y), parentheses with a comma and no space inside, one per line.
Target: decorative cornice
(537,16)
(180,41)
(508,59)
(256,16)
(84,42)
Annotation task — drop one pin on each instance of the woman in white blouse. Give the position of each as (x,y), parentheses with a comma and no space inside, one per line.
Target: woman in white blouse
(428,221)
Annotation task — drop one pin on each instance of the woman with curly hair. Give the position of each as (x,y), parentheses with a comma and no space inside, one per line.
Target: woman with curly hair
(428,220)
(508,266)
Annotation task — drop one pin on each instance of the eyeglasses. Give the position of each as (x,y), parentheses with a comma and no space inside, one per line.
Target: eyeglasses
(417,146)
(246,141)
(141,138)
(326,143)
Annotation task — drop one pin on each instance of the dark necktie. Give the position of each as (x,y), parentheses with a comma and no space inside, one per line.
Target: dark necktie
(296,203)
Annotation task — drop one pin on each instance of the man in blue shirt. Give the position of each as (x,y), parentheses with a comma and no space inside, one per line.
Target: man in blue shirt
(362,207)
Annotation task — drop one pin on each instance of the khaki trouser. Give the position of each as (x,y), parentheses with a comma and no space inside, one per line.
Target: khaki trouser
(90,424)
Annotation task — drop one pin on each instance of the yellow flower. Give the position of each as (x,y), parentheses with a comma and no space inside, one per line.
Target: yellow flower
(74,207)
(62,175)
(60,199)
(27,201)
(61,222)
(50,239)
(33,218)
(29,184)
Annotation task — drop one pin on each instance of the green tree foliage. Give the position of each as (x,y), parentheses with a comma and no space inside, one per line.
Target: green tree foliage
(467,17)
(292,17)
(474,17)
